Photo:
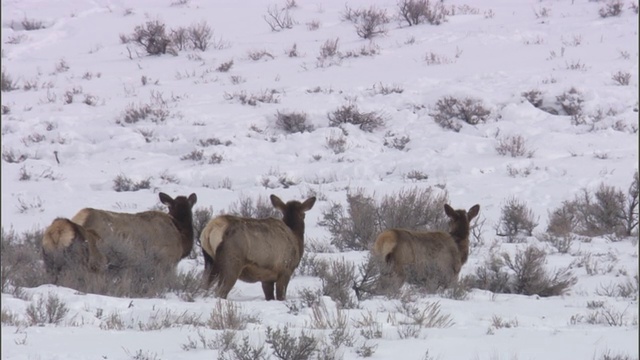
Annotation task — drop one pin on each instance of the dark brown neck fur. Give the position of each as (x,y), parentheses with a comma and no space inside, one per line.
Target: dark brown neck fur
(292,219)
(183,220)
(460,233)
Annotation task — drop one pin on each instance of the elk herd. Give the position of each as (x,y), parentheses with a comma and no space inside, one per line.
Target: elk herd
(236,248)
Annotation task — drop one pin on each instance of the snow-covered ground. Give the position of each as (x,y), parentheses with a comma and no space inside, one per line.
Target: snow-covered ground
(69,126)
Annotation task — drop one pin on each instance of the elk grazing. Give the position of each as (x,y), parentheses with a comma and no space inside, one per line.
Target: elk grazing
(430,258)
(80,241)
(252,250)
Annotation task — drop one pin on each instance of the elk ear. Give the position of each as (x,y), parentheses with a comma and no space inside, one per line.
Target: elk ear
(165,199)
(473,212)
(308,204)
(193,199)
(449,211)
(277,203)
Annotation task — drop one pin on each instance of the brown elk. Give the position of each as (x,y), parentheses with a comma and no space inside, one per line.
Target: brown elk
(79,241)
(252,250)
(433,258)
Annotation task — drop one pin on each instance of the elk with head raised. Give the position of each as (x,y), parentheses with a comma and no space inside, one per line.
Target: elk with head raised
(252,250)
(78,241)
(433,257)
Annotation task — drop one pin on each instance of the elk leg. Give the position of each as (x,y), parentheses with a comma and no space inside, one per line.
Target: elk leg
(281,287)
(267,288)
(208,274)
(229,274)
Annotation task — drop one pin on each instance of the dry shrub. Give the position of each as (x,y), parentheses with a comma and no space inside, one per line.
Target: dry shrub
(513,145)
(338,277)
(20,258)
(152,37)
(286,346)
(516,219)
(180,38)
(611,8)
(449,111)
(231,349)
(571,101)
(370,22)
(375,277)
(201,217)
(621,78)
(329,53)
(6,82)
(124,183)
(606,211)
(293,122)
(523,274)
(416,12)
(225,66)
(259,208)
(269,96)
(49,311)
(350,114)
(227,315)
(154,112)
(200,35)
(534,97)
(278,19)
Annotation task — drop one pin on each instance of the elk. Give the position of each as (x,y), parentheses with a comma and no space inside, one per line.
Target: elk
(433,257)
(81,239)
(266,250)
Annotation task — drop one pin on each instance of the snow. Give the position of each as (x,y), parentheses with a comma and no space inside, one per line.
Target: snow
(493,58)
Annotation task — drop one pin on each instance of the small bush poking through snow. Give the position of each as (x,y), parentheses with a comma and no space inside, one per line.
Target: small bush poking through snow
(49,311)
(338,277)
(369,22)
(6,82)
(611,8)
(292,122)
(231,349)
(19,253)
(200,35)
(571,101)
(513,145)
(449,111)
(124,183)
(621,78)
(201,217)
(156,113)
(28,25)
(534,97)
(350,114)
(227,315)
(278,19)
(526,275)
(225,66)
(260,208)
(337,143)
(152,37)
(416,12)
(394,141)
(269,96)
(286,346)
(180,38)
(516,219)
(606,211)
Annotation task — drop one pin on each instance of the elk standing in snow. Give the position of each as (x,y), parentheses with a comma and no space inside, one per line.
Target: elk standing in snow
(434,257)
(79,241)
(252,250)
